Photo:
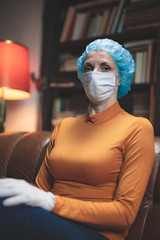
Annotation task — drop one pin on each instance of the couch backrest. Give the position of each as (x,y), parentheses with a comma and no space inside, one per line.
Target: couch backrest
(21,155)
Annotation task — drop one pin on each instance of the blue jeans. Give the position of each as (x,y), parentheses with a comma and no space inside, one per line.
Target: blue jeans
(32,223)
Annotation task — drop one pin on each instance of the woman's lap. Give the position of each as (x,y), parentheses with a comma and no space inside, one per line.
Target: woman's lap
(25,222)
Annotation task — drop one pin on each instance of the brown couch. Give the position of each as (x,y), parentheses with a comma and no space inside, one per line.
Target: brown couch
(21,155)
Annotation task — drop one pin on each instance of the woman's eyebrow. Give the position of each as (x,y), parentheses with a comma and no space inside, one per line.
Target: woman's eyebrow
(105,63)
(87,63)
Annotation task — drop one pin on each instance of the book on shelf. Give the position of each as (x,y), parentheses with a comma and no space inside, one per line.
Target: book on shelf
(104,22)
(140,61)
(142,16)
(92,22)
(60,105)
(146,25)
(118,16)
(121,21)
(133,1)
(68,23)
(91,25)
(62,84)
(68,65)
(143,53)
(111,19)
(141,104)
(151,104)
(94,4)
(85,25)
(101,22)
(81,24)
(71,27)
(138,43)
(95,25)
(150,63)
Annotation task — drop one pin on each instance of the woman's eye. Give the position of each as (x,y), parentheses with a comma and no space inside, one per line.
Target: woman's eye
(105,68)
(88,68)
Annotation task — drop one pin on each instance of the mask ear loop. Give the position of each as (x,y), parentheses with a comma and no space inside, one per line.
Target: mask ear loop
(117,79)
(116,88)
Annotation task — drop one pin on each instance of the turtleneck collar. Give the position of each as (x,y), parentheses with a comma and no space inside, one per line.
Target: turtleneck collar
(105,115)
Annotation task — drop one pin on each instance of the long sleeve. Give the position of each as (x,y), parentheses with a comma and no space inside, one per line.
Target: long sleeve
(119,213)
(44,179)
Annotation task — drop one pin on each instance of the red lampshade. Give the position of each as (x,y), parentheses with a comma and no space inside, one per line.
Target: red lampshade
(14,71)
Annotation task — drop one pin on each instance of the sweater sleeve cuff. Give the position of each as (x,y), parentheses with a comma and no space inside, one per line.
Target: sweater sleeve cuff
(58,204)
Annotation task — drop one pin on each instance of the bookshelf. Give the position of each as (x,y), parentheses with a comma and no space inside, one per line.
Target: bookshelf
(63,92)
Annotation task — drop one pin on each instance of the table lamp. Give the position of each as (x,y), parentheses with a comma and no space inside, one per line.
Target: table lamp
(14,75)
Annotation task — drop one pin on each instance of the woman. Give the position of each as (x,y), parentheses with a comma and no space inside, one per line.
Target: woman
(96,169)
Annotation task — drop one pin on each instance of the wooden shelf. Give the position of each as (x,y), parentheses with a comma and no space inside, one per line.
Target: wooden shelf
(141,86)
(68,89)
(65,77)
(132,35)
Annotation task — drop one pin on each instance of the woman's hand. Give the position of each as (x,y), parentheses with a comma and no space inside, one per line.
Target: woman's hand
(21,192)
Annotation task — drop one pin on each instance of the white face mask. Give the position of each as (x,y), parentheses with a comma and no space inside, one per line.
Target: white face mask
(99,86)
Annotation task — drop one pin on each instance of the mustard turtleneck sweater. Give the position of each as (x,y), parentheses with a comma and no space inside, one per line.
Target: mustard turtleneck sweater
(98,167)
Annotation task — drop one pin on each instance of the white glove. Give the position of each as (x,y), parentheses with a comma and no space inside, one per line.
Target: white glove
(21,192)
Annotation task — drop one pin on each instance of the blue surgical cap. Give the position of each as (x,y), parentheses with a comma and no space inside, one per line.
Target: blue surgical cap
(122,57)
